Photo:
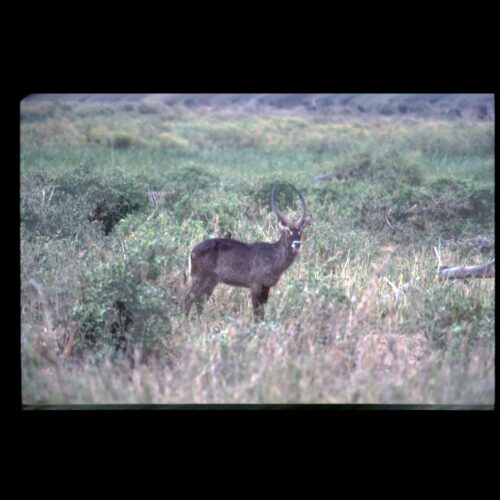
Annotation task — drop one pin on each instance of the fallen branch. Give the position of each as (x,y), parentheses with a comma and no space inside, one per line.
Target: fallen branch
(324,177)
(387,215)
(463,272)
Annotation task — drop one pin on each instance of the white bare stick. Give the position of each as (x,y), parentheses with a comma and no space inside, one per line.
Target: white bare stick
(392,285)
(324,177)
(124,250)
(412,284)
(387,215)
(51,193)
(403,289)
(438,255)
(153,213)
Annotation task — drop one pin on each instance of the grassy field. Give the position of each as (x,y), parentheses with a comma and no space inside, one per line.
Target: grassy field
(360,317)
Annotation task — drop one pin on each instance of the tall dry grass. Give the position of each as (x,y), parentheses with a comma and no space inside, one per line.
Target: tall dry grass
(360,318)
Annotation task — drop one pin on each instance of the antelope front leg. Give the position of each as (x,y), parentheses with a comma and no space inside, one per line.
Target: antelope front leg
(260,294)
(264,294)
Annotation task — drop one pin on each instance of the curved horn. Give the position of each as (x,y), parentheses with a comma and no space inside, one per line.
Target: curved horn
(278,212)
(303,203)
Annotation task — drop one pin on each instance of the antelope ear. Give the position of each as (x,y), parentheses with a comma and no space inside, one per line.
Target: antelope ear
(307,221)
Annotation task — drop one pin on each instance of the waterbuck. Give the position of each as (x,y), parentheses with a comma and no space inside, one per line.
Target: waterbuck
(257,266)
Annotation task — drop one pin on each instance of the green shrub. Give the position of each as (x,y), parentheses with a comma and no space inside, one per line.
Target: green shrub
(449,318)
(121,311)
(122,141)
(442,208)
(36,114)
(452,139)
(146,109)
(113,203)
(326,194)
(112,139)
(386,166)
(186,189)
(126,303)
(387,110)
(67,205)
(47,209)
(461,198)
(191,178)
(170,140)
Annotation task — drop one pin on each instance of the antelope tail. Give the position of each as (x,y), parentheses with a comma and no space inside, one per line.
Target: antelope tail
(187,272)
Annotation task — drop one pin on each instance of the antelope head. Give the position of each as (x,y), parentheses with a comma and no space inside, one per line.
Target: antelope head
(292,233)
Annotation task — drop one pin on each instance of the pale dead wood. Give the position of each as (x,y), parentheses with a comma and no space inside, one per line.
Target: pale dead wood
(464,272)
(124,249)
(400,292)
(387,216)
(438,256)
(453,272)
(324,177)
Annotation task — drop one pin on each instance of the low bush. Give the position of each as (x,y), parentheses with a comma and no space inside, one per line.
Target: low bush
(451,139)
(68,205)
(146,109)
(455,322)
(388,167)
(170,140)
(443,208)
(121,308)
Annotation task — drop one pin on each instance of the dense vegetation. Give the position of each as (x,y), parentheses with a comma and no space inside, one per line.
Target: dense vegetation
(103,269)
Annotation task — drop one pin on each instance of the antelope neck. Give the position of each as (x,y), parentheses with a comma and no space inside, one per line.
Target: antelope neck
(286,256)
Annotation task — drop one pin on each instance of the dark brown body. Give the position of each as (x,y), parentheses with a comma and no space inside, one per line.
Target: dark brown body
(257,266)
